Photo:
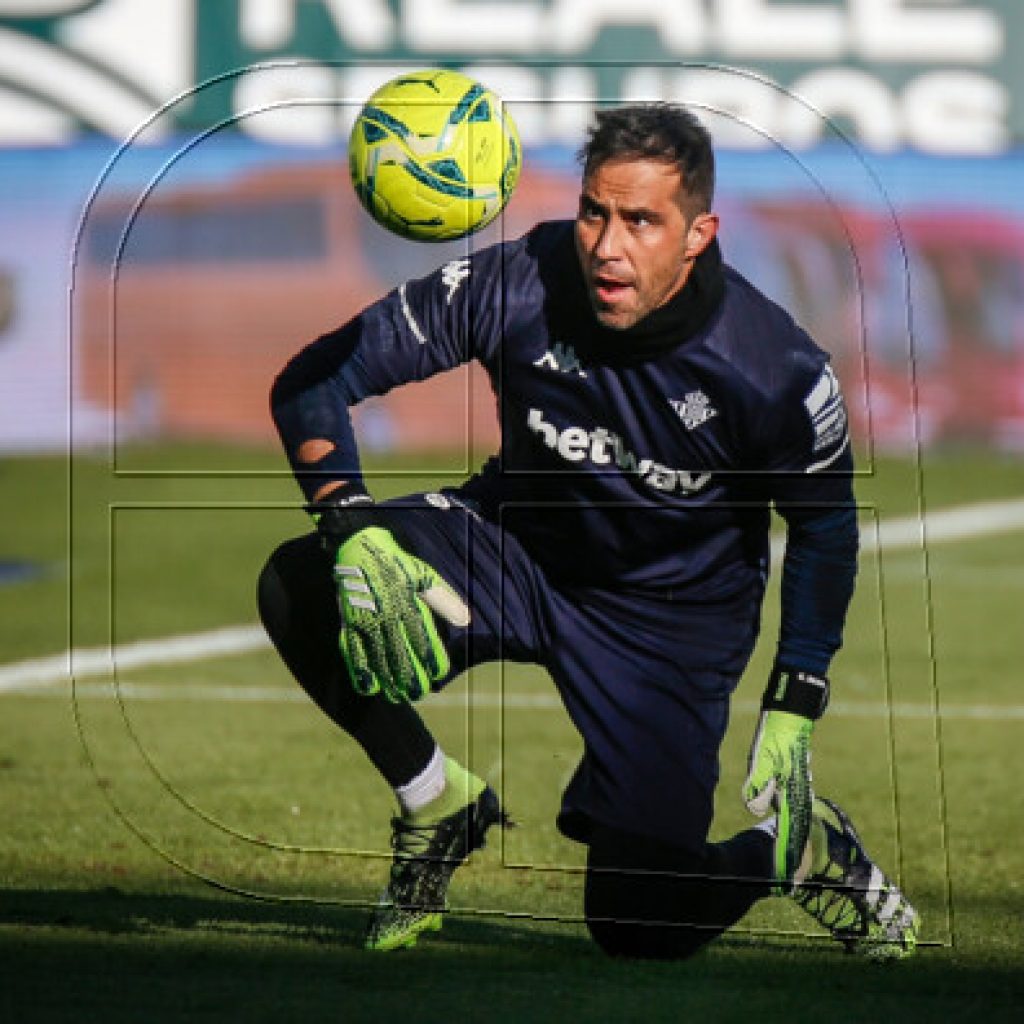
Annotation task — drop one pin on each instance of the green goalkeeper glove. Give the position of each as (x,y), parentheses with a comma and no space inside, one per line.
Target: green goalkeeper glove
(779,766)
(387,598)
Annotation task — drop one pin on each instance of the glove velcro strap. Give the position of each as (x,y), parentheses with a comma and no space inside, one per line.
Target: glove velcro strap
(338,518)
(799,693)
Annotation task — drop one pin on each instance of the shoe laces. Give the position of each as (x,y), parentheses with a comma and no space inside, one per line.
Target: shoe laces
(409,840)
(833,907)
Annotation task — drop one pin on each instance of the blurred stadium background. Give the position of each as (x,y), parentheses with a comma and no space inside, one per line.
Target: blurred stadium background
(176,220)
(198,149)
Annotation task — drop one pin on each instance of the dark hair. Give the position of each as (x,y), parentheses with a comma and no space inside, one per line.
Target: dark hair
(655,131)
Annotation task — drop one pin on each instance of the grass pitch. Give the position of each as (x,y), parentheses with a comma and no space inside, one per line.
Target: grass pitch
(195,842)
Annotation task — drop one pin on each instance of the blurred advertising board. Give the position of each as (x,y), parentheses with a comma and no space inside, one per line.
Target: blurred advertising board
(938,75)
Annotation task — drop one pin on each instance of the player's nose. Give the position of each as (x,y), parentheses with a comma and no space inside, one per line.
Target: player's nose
(608,243)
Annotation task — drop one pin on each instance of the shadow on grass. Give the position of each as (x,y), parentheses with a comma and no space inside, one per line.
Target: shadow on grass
(113,912)
(113,956)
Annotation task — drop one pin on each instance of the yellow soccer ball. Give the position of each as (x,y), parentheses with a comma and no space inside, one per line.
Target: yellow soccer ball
(434,155)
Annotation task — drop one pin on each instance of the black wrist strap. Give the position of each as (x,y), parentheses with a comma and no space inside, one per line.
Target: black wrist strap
(799,693)
(342,513)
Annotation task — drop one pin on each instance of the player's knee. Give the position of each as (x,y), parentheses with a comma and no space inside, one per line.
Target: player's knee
(272,591)
(279,585)
(638,915)
(644,941)
(640,897)
(271,595)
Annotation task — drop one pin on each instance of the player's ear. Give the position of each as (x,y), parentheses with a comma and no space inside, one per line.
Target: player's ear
(700,234)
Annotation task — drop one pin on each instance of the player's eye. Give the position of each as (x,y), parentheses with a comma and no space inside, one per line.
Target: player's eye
(589,210)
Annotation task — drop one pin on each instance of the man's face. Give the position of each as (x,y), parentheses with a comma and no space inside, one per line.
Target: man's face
(635,241)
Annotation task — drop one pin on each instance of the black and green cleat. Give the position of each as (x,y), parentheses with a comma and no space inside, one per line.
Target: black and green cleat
(853,898)
(427,850)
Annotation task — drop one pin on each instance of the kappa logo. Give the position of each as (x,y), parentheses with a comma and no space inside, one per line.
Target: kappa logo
(452,275)
(561,358)
(693,409)
(447,502)
(602,447)
(824,404)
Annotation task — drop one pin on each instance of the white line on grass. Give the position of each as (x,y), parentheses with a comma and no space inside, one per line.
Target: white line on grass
(959,523)
(83,663)
(510,700)
(962,522)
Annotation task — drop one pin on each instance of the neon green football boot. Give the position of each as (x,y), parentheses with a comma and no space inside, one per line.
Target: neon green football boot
(428,846)
(850,895)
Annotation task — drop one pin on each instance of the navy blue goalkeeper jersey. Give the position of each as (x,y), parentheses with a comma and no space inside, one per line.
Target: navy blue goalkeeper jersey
(624,462)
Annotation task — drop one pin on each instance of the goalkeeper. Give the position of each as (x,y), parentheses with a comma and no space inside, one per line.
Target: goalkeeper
(654,407)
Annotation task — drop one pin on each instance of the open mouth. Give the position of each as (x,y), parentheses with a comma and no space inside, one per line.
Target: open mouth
(610,290)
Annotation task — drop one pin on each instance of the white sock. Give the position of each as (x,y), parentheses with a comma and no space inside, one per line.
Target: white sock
(427,786)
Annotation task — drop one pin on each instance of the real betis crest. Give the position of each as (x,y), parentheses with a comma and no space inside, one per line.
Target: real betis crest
(694,409)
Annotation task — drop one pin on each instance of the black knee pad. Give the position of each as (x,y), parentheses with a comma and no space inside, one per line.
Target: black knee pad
(294,585)
(641,913)
(298,606)
(645,898)
(272,597)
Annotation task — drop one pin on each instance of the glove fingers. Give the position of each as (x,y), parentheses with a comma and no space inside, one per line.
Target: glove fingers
(783,842)
(418,634)
(440,598)
(761,801)
(396,658)
(436,654)
(758,787)
(419,654)
(408,674)
(353,651)
(417,683)
(405,678)
(423,640)
(798,800)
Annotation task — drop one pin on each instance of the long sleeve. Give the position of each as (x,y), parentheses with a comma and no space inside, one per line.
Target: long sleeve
(818,577)
(812,488)
(310,399)
(416,331)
